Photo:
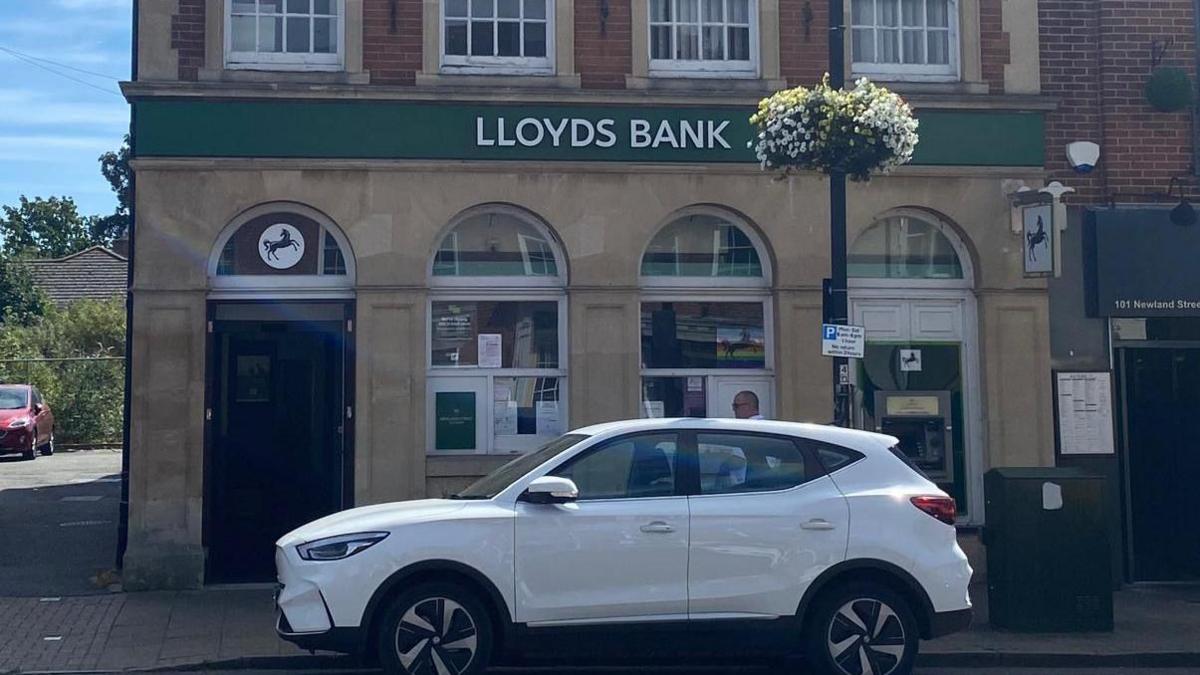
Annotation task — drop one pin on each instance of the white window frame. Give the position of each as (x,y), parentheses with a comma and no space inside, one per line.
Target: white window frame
(739,284)
(700,67)
(965,260)
(767,372)
(498,65)
(911,72)
(484,412)
(286,61)
(517,283)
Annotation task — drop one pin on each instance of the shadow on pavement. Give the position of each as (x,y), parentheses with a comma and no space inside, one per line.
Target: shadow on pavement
(57,538)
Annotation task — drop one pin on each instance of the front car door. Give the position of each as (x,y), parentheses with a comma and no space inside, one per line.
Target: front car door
(618,553)
(765,522)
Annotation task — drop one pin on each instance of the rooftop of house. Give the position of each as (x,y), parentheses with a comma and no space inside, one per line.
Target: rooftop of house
(96,273)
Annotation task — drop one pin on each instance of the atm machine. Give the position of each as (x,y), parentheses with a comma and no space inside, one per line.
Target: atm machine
(922,422)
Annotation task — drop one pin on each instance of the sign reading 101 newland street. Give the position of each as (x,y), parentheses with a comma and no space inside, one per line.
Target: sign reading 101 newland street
(1141,264)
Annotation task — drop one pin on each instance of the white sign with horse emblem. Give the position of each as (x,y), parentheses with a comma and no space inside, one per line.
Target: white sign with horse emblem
(910,360)
(281,246)
(1038,239)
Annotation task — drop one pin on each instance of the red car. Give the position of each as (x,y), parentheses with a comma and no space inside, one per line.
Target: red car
(26,423)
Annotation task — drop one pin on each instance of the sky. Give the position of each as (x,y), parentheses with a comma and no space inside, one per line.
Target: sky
(54,125)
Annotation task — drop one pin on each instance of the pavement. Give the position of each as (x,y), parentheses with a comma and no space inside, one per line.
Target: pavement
(58,516)
(66,615)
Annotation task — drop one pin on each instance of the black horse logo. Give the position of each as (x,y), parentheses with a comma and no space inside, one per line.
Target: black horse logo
(910,359)
(1035,239)
(285,241)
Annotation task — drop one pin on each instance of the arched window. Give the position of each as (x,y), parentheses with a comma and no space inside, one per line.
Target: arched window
(280,246)
(705,318)
(703,247)
(497,335)
(905,247)
(497,242)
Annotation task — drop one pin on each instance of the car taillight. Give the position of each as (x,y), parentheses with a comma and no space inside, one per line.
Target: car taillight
(942,508)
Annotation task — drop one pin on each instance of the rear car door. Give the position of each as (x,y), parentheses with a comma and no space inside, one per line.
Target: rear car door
(765,522)
(620,551)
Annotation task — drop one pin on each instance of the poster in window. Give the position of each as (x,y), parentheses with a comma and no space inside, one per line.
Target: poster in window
(549,421)
(1038,239)
(490,349)
(741,343)
(253,381)
(455,420)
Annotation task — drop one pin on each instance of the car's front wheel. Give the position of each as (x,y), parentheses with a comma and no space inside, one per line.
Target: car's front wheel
(862,629)
(48,448)
(436,629)
(31,452)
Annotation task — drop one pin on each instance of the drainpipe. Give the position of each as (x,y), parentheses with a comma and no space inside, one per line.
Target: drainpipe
(123,525)
(1196,108)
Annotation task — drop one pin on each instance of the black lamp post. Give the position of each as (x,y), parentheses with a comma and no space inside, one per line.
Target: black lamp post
(836,301)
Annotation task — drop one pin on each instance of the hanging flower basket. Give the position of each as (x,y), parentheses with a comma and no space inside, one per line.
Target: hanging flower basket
(858,131)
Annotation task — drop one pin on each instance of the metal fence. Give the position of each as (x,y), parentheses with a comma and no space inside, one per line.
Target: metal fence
(84,393)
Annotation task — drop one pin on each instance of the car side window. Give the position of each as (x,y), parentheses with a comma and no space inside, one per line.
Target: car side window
(835,457)
(37,396)
(738,463)
(644,465)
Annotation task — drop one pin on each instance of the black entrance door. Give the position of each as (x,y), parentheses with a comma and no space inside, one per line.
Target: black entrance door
(1161,389)
(277,441)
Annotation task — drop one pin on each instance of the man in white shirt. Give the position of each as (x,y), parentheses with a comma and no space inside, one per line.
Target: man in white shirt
(745,405)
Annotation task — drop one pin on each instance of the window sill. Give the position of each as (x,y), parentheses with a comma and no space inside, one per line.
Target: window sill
(724,84)
(502,80)
(901,85)
(265,74)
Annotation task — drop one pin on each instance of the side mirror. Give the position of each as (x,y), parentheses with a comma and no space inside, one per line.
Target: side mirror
(551,490)
(36,409)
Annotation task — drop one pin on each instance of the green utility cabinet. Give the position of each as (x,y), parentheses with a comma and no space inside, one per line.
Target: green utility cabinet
(1048,558)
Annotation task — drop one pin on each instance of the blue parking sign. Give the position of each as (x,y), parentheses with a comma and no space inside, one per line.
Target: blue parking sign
(830,332)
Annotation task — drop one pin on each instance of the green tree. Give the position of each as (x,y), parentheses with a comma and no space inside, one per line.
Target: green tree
(46,228)
(115,167)
(86,392)
(21,301)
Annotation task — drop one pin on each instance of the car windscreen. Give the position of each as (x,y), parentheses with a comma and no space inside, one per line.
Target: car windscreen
(495,482)
(13,398)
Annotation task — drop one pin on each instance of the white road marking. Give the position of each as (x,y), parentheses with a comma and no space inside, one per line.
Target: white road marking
(83,498)
(84,523)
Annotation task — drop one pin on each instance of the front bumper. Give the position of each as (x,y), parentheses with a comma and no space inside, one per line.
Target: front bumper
(341,640)
(945,623)
(14,440)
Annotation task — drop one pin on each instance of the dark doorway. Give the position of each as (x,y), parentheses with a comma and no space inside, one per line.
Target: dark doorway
(278,446)
(1160,388)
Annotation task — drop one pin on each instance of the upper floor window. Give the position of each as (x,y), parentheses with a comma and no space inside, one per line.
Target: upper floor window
(697,37)
(905,39)
(498,35)
(286,34)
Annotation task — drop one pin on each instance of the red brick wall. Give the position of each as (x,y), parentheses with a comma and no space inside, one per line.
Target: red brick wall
(603,48)
(993,44)
(1096,58)
(392,40)
(187,37)
(803,40)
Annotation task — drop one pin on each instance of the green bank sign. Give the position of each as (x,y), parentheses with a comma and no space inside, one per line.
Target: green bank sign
(463,131)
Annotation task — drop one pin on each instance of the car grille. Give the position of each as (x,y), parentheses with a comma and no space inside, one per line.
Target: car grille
(3,433)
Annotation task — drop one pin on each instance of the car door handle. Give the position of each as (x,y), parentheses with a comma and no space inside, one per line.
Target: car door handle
(657,527)
(818,524)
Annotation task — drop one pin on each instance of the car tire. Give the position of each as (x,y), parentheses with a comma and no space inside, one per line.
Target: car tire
(436,628)
(48,448)
(31,453)
(862,628)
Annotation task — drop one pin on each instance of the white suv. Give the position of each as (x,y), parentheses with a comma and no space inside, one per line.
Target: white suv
(650,538)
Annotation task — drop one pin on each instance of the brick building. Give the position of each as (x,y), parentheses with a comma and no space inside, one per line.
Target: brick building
(1127,302)
(383,245)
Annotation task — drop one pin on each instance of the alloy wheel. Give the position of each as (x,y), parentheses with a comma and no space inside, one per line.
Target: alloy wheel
(436,636)
(866,637)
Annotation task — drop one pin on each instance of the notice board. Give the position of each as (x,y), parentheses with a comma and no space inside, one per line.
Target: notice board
(1083,403)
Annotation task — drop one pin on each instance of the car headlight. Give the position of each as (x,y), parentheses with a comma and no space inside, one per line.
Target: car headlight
(339,548)
(18,422)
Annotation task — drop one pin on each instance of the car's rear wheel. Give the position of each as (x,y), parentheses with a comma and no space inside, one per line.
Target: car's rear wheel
(436,629)
(862,629)
(48,448)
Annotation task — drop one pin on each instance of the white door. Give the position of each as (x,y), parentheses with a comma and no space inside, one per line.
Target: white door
(620,552)
(765,524)
(458,416)
(722,389)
